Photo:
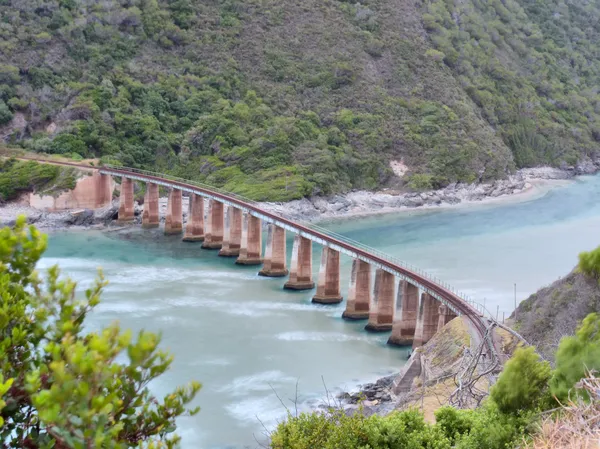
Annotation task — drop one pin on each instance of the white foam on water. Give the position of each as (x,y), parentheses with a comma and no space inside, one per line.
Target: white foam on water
(212,362)
(140,308)
(319,336)
(263,408)
(264,381)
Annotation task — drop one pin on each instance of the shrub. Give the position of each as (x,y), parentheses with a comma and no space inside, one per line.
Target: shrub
(576,356)
(68,390)
(589,263)
(523,383)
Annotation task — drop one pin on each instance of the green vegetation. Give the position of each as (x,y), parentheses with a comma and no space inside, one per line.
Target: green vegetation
(532,67)
(17,177)
(589,263)
(576,356)
(222,92)
(526,387)
(63,387)
(278,100)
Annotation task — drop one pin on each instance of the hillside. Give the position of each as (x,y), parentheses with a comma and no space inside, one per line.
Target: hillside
(555,311)
(278,100)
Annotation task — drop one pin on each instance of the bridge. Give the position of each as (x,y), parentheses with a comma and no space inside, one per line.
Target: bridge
(402,300)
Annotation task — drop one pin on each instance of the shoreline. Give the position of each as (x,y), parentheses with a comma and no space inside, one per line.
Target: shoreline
(525,185)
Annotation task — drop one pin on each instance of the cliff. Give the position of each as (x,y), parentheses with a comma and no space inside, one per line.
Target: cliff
(556,311)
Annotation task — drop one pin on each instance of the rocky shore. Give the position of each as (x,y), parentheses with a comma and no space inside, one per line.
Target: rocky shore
(359,203)
(356,203)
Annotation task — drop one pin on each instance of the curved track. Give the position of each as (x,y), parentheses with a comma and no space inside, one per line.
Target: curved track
(461,304)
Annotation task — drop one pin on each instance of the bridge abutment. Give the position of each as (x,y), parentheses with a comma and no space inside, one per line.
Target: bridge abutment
(405,322)
(427,320)
(103,190)
(359,293)
(126,208)
(232,237)
(301,265)
(328,283)
(174,218)
(251,248)
(445,315)
(213,234)
(151,213)
(275,253)
(194,229)
(381,314)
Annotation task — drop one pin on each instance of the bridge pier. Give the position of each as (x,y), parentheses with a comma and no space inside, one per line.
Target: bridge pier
(151,213)
(427,320)
(232,237)
(445,315)
(174,218)
(251,247)
(301,266)
(194,229)
(275,253)
(359,293)
(381,314)
(328,284)
(213,234)
(405,322)
(126,208)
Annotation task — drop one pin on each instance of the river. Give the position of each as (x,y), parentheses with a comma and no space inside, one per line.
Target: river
(245,338)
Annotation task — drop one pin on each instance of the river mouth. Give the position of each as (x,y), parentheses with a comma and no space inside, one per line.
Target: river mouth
(245,338)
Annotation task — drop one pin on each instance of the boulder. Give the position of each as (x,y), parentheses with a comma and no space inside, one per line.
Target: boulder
(83,217)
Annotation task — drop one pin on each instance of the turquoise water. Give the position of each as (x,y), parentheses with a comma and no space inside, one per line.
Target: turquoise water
(245,338)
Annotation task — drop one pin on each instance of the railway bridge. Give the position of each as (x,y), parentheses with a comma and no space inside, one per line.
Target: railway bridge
(401,299)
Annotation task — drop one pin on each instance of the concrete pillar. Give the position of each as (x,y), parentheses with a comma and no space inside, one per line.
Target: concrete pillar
(104,190)
(427,320)
(251,248)
(381,313)
(445,315)
(301,266)
(359,293)
(232,238)
(213,234)
(194,229)
(151,214)
(126,210)
(405,319)
(328,284)
(275,253)
(174,218)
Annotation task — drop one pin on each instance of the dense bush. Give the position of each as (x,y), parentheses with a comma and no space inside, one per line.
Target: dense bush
(532,67)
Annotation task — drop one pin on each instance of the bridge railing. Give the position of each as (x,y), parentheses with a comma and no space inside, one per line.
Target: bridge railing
(394,260)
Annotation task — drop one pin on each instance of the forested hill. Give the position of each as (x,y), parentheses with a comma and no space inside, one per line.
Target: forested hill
(280,99)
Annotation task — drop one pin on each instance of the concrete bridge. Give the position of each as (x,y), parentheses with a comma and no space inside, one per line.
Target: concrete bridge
(402,300)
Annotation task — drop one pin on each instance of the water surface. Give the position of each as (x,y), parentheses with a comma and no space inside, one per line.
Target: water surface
(244,338)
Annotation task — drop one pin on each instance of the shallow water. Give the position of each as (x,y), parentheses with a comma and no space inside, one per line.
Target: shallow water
(245,339)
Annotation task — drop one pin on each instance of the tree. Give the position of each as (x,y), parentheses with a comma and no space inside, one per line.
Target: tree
(576,356)
(64,388)
(523,382)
